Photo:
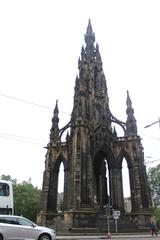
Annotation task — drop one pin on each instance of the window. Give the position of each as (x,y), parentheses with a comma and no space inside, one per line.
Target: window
(25,222)
(9,220)
(4,189)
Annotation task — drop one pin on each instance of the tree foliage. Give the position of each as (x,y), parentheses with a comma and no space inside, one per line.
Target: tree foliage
(156,213)
(8,178)
(154,183)
(26,198)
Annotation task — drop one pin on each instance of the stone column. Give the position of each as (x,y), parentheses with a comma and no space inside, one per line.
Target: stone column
(116,188)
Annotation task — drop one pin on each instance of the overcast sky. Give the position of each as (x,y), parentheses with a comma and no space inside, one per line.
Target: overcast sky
(40,43)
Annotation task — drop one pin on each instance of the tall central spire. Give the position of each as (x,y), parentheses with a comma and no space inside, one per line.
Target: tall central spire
(89,36)
(91,99)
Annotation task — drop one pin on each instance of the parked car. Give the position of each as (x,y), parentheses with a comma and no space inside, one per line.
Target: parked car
(20,228)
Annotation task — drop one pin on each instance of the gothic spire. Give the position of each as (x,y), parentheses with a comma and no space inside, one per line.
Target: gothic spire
(90,82)
(56,111)
(131,121)
(128,101)
(114,132)
(54,132)
(89,36)
(98,56)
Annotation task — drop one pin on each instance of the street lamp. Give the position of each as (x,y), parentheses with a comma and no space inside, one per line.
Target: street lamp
(153,123)
(107,210)
(108,224)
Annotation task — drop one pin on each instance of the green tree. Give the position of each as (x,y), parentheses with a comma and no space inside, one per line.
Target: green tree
(26,198)
(154,180)
(8,178)
(156,213)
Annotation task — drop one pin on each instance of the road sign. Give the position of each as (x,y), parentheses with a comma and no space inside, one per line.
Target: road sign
(116,214)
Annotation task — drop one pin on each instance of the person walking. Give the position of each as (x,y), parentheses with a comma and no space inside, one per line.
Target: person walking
(153,229)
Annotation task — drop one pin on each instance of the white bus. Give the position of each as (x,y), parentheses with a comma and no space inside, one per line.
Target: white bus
(6,197)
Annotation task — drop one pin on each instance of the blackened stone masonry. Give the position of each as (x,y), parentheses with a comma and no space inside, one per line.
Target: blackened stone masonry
(92,155)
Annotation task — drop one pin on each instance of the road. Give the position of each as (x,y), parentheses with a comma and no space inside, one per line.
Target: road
(114,237)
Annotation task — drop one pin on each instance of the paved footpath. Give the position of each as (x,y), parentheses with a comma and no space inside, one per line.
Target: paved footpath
(117,236)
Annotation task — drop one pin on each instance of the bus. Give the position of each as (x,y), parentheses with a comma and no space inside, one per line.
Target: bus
(6,197)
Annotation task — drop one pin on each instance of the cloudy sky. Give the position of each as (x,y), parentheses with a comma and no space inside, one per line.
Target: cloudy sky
(40,43)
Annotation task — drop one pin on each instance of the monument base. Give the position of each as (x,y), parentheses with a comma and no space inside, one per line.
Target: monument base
(95,221)
(83,219)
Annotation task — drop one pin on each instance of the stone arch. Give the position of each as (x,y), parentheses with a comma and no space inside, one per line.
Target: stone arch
(124,156)
(101,191)
(53,183)
(132,165)
(60,159)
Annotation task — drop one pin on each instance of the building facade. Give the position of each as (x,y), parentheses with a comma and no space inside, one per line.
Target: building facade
(93,154)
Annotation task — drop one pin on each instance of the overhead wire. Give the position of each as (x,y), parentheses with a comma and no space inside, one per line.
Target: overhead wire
(20,140)
(30,102)
(158,139)
(25,101)
(21,137)
(152,161)
(46,107)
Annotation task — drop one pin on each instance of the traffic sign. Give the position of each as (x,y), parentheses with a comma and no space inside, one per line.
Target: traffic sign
(116,214)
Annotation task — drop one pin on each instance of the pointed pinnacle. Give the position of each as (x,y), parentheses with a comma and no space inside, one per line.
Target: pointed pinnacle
(129,102)
(56,109)
(89,36)
(89,28)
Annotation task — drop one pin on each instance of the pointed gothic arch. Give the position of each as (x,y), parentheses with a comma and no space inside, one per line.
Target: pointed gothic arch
(53,183)
(101,191)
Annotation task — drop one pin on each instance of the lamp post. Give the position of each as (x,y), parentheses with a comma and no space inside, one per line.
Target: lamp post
(107,212)
(108,218)
(108,223)
(153,123)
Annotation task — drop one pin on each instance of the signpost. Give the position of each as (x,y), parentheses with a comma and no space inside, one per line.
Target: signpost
(116,215)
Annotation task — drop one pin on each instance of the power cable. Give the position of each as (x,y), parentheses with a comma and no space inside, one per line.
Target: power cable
(158,139)
(22,141)
(25,101)
(49,108)
(16,136)
(149,162)
(29,102)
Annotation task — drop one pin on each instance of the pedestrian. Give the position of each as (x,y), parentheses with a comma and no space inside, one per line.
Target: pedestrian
(153,229)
